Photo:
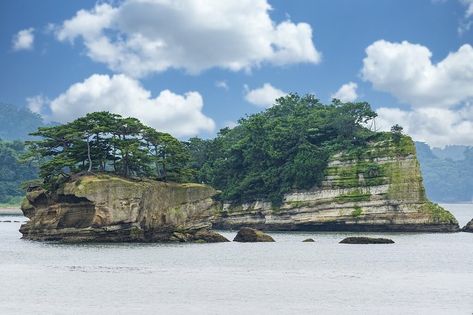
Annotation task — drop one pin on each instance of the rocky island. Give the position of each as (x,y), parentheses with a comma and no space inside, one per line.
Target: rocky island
(299,165)
(381,189)
(104,208)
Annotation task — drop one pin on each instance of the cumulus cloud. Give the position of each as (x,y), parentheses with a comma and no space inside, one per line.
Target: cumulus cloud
(263,96)
(180,115)
(436,126)
(23,40)
(406,71)
(139,37)
(439,95)
(347,92)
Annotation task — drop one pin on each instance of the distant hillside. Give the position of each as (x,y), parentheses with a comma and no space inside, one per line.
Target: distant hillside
(17,122)
(448,172)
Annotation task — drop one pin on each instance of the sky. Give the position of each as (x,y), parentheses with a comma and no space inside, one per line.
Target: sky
(192,67)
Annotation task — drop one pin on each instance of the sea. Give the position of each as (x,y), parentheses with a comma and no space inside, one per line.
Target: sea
(422,273)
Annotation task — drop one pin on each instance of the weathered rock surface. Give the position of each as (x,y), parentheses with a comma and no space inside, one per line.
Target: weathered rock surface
(309,240)
(468,227)
(366,240)
(107,208)
(252,235)
(379,189)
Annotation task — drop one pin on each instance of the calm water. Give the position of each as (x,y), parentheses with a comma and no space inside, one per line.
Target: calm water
(420,274)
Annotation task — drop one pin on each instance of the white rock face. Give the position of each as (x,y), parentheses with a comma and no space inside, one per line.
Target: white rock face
(380,192)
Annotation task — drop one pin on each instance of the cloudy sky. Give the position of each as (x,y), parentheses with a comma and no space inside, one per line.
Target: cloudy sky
(191,67)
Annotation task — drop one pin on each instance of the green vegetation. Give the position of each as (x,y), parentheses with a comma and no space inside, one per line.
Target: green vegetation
(284,148)
(437,213)
(104,142)
(357,212)
(13,173)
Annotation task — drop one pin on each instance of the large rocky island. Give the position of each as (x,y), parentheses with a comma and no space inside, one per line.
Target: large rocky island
(105,208)
(299,165)
(380,189)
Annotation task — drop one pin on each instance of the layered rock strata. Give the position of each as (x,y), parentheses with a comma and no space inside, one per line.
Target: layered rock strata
(106,208)
(377,189)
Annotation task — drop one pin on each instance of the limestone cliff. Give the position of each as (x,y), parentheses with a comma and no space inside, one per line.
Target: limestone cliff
(110,208)
(378,188)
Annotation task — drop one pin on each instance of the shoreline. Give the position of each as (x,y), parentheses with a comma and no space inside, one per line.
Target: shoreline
(10,211)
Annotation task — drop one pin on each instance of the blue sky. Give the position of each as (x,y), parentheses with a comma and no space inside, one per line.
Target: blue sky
(234,56)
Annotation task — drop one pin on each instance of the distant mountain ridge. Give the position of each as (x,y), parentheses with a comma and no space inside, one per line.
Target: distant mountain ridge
(447,172)
(17,122)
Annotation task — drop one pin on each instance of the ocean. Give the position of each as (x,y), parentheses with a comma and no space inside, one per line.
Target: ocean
(422,273)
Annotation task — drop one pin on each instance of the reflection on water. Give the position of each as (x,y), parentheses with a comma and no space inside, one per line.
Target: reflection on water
(419,274)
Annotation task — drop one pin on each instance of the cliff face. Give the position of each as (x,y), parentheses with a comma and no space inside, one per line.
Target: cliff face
(109,208)
(378,188)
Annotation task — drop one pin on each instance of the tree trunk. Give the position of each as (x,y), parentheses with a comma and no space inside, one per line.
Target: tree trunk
(88,155)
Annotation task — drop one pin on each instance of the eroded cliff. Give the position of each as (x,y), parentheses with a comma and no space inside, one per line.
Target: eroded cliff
(110,208)
(377,188)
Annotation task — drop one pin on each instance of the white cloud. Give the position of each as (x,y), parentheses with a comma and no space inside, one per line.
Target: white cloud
(180,115)
(222,85)
(436,126)
(23,40)
(347,92)
(466,23)
(139,37)
(263,96)
(406,71)
(469,7)
(440,95)
(37,103)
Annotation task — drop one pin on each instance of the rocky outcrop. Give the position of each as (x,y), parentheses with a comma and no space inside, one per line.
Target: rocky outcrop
(249,235)
(366,240)
(309,240)
(107,208)
(468,227)
(377,189)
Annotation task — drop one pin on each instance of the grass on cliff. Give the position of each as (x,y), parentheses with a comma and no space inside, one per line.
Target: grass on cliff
(438,214)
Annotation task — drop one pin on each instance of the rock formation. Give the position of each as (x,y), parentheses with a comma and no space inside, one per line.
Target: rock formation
(468,227)
(249,235)
(308,240)
(378,188)
(366,240)
(106,208)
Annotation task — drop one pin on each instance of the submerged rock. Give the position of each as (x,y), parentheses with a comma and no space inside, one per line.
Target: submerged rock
(378,189)
(251,235)
(468,227)
(366,240)
(106,208)
(309,240)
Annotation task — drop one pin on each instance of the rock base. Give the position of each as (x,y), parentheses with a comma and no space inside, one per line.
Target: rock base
(366,240)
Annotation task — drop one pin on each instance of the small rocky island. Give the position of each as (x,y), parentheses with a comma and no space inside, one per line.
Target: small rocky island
(105,208)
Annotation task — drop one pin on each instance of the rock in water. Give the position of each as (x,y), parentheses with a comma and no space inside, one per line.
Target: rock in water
(252,235)
(105,208)
(468,227)
(308,240)
(366,240)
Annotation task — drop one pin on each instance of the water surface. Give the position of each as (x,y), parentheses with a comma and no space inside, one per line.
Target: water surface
(420,274)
